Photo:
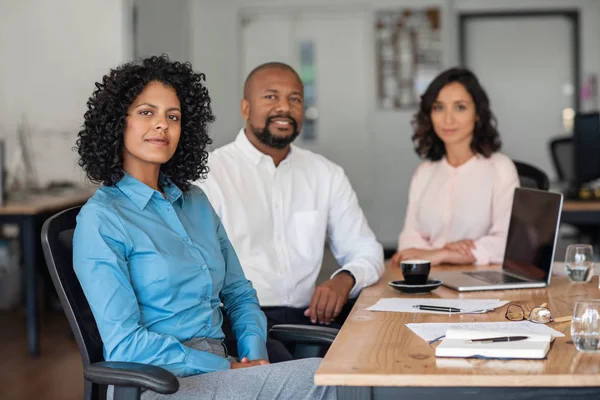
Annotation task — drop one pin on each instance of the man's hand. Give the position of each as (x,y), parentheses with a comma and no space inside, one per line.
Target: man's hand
(329,298)
(462,246)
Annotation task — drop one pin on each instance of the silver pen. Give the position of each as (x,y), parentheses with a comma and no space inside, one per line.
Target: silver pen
(437,308)
(499,339)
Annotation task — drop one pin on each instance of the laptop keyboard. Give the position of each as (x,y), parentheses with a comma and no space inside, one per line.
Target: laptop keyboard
(495,277)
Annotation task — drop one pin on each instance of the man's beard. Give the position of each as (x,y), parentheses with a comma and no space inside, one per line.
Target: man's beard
(276,142)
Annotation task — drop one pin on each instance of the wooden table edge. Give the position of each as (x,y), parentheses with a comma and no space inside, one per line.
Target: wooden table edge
(441,380)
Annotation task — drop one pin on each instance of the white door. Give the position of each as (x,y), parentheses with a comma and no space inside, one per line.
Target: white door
(340,72)
(525,65)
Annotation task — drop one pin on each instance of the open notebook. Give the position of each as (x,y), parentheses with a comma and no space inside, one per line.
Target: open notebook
(456,344)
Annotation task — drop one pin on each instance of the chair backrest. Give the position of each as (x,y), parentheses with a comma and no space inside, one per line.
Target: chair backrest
(561,150)
(532,177)
(57,242)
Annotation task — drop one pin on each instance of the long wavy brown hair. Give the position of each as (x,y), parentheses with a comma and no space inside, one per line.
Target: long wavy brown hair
(486,139)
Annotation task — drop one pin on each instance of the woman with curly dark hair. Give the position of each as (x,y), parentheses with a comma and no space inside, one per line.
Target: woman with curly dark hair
(152,256)
(460,198)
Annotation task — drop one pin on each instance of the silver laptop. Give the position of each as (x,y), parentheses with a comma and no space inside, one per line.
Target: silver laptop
(530,245)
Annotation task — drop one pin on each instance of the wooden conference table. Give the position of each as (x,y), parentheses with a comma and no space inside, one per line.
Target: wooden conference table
(375,356)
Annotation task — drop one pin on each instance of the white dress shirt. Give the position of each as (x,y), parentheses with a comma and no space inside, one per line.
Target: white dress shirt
(278,219)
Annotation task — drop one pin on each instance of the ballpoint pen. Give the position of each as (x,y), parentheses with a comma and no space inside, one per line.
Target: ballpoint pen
(437,308)
(499,339)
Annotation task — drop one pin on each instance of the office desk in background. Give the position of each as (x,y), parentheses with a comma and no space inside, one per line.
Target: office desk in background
(585,216)
(29,213)
(376,356)
(581,212)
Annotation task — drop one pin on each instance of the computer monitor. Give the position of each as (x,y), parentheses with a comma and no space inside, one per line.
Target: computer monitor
(586,148)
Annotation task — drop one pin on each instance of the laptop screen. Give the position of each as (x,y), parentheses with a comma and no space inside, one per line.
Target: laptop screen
(532,233)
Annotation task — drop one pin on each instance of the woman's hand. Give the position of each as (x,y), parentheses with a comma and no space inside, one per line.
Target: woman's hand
(456,257)
(238,365)
(255,362)
(462,246)
(444,255)
(435,256)
(245,363)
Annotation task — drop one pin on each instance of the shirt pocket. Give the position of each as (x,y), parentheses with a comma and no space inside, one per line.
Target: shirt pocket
(308,233)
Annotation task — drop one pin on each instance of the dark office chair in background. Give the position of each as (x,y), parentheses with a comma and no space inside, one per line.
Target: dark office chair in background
(561,151)
(532,177)
(128,378)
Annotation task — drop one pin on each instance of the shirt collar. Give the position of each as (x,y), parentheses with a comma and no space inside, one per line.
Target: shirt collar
(472,160)
(247,148)
(255,155)
(171,190)
(140,193)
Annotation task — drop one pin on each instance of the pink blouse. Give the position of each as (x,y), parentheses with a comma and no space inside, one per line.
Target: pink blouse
(472,201)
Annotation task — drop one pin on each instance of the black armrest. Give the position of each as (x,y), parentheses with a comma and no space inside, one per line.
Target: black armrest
(303,334)
(145,376)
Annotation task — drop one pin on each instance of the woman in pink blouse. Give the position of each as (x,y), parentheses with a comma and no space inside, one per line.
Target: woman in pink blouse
(460,198)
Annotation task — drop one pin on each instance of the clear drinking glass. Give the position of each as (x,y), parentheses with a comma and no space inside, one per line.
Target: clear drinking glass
(585,327)
(579,262)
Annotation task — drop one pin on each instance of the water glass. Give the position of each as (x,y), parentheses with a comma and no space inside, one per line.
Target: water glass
(585,326)
(579,262)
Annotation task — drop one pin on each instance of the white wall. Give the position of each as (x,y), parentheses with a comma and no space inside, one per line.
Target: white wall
(52,53)
(163,27)
(216,51)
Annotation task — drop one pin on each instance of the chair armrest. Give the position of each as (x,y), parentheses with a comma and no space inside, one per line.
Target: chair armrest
(303,334)
(145,376)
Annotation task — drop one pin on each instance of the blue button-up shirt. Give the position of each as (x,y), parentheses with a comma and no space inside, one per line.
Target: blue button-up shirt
(155,272)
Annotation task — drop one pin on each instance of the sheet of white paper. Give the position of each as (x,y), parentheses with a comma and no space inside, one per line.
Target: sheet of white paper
(431,331)
(407,304)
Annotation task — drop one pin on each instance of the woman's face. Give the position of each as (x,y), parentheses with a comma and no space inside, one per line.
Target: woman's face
(453,115)
(153,127)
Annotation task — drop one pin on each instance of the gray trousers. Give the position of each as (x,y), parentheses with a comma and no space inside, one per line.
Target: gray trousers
(287,380)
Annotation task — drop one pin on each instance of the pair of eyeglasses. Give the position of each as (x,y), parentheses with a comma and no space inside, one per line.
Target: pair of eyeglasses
(539,315)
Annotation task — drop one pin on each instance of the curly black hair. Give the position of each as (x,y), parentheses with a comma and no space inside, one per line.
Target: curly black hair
(486,139)
(100,141)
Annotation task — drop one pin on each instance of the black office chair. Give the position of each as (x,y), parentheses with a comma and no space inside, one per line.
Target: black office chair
(128,378)
(561,151)
(532,177)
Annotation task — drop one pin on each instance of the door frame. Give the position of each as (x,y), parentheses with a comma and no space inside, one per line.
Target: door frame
(571,15)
